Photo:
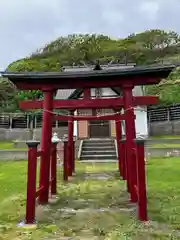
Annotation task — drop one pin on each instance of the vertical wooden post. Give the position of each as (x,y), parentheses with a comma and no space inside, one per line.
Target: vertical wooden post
(126,169)
(66,164)
(73,156)
(31,182)
(141,181)
(118,138)
(46,146)
(10,121)
(54,169)
(123,160)
(130,136)
(70,146)
(35,121)
(27,122)
(87,93)
(56,124)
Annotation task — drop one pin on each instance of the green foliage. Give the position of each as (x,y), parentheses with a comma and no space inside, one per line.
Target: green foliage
(152,46)
(7,89)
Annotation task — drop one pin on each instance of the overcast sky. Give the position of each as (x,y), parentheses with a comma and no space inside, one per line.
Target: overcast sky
(29,24)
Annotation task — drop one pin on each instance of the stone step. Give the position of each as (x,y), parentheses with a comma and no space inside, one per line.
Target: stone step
(98,141)
(98,144)
(99,157)
(98,161)
(99,147)
(97,153)
(98,150)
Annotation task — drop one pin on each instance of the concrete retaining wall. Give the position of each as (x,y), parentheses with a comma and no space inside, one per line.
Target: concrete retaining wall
(13,155)
(150,142)
(164,128)
(150,153)
(155,129)
(27,134)
(162,152)
(22,154)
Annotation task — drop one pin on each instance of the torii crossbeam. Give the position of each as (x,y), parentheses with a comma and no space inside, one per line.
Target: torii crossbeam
(112,103)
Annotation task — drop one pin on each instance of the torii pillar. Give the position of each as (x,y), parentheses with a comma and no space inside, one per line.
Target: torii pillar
(70,146)
(118,139)
(130,131)
(46,145)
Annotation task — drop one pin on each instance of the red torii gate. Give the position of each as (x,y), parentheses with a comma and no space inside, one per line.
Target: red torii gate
(134,151)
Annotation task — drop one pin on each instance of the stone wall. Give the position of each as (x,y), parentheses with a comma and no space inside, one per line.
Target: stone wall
(149,153)
(164,128)
(154,128)
(27,134)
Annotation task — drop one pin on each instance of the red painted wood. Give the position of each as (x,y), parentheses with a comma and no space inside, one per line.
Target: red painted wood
(39,191)
(134,172)
(87,93)
(48,85)
(126,169)
(123,155)
(141,183)
(118,138)
(39,153)
(90,104)
(31,185)
(130,136)
(65,165)
(70,146)
(73,157)
(46,147)
(54,169)
(116,81)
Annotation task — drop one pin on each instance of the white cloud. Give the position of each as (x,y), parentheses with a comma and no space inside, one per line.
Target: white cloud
(29,24)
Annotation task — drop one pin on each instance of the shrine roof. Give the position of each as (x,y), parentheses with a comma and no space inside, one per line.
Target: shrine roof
(90,77)
(107,72)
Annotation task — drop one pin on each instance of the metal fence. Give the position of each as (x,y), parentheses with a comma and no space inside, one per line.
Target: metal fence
(171,113)
(20,120)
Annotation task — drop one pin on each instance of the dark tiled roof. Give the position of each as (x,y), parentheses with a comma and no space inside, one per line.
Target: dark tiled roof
(91,67)
(66,93)
(107,72)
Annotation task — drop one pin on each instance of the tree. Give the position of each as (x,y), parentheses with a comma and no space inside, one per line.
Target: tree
(151,46)
(7,89)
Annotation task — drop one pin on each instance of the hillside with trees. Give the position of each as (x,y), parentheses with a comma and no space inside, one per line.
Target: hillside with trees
(149,47)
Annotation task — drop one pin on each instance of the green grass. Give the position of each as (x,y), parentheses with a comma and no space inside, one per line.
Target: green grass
(8,145)
(165,145)
(165,137)
(81,193)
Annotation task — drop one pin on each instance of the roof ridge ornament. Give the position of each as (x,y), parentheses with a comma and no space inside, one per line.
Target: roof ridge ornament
(97,66)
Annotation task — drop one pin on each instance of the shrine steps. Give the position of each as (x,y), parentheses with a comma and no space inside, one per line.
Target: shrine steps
(98,150)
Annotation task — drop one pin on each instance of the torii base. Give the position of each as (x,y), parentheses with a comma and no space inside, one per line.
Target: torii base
(25,226)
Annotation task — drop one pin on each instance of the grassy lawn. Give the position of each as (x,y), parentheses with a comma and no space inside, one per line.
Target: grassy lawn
(102,189)
(165,137)
(165,145)
(8,145)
